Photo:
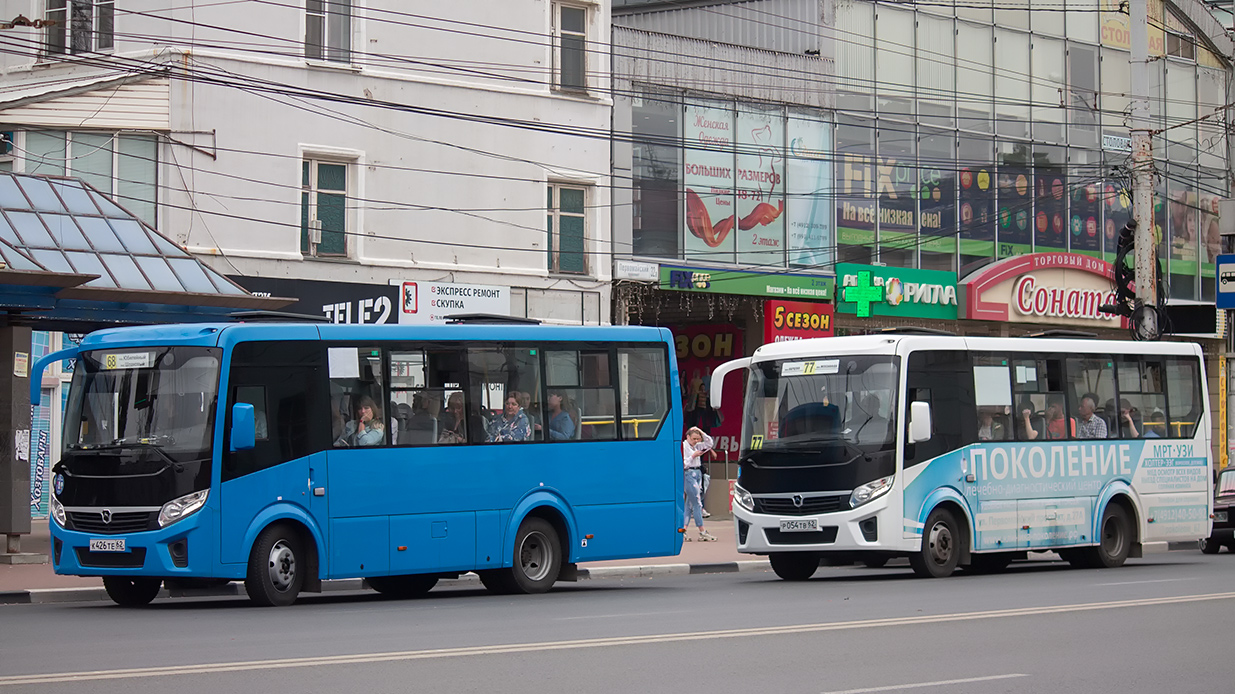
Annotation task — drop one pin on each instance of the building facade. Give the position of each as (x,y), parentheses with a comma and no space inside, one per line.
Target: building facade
(965,166)
(358,141)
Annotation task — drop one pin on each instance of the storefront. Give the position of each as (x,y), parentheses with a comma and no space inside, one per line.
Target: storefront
(873,298)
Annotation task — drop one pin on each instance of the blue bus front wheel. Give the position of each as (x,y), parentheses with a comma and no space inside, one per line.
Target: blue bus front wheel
(276,567)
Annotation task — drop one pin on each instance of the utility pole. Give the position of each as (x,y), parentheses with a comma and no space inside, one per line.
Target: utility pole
(1143,170)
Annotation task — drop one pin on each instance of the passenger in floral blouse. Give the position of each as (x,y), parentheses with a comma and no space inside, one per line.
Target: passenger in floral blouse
(512,425)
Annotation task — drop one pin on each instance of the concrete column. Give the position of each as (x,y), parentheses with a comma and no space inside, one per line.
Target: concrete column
(14,464)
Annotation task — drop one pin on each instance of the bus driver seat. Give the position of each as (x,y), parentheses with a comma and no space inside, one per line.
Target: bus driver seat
(814,417)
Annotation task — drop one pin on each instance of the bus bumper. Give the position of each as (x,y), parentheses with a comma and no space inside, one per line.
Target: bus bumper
(182,549)
(871,527)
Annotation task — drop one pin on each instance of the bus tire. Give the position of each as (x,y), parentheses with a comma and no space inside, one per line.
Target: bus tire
(131,592)
(411,586)
(795,566)
(941,546)
(1208,546)
(276,567)
(538,557)
(1114,539)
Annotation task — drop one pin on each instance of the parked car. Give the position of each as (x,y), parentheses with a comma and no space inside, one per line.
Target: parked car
(1224,521)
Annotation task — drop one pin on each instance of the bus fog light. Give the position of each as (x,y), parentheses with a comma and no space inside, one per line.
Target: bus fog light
(177,509)
(870,491)
(743,498)
(57,511)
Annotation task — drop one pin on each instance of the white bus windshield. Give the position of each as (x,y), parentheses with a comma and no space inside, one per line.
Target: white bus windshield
(802,401)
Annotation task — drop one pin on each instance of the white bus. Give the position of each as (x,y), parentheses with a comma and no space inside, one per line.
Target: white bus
(962,451)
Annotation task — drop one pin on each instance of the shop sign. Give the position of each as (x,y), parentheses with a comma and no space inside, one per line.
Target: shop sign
(635,270)
(867,290)
(784,321)
(435,302)
(1062,288)
(700,349)
(746,283)
(338,302)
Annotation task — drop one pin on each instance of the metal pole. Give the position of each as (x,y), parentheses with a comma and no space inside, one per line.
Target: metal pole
(1143,167)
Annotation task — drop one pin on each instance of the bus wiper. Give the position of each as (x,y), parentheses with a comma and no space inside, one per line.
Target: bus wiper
(811,447)
(154,443)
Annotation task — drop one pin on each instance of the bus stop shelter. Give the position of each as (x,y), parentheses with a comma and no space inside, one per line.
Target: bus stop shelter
(73,260)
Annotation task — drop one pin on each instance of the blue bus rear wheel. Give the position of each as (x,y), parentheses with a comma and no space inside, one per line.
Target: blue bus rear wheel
(131,592)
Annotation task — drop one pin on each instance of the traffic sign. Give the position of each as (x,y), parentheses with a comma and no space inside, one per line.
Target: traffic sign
(1226,281)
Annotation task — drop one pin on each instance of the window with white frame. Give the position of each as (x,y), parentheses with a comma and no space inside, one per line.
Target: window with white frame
(567,226)
(323,208)
(79,26)
(121,165)
(570,47)
(328,30)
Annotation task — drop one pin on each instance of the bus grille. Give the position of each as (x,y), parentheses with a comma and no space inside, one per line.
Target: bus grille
(811,505)
(133,559)
(826,535)
(121,522)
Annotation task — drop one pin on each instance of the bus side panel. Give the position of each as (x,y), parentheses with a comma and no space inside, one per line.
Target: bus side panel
(425,543)
(359,546)
(244,498)
(627,530)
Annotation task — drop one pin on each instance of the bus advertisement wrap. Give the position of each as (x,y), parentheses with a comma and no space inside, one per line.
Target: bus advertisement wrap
(1028,495)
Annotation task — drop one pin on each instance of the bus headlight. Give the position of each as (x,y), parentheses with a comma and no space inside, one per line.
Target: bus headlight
(870,491)
(57,511)
(743,498)
(176,509)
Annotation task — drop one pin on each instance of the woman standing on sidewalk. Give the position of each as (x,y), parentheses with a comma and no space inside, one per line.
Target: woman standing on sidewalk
(693,447)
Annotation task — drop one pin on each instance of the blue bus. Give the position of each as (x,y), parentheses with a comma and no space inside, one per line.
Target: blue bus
(969,452)
(283,454)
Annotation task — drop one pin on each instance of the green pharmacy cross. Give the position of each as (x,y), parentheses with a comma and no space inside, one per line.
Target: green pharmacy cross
(864,294)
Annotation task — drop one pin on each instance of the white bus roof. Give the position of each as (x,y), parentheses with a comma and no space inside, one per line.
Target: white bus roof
(899,343)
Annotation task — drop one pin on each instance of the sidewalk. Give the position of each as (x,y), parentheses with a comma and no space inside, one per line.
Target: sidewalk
(23,583)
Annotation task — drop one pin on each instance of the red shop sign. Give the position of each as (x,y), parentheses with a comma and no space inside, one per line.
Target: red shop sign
(795,320)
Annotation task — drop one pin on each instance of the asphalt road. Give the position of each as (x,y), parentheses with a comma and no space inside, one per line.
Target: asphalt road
(1159,624)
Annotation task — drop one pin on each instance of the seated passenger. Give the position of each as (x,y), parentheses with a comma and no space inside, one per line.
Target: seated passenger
(1155,426)
(1128,415)
(453,428)
(872,426)
(512,425)
(367,428)
(1089,425)
(1056,425)
(989,428)
(561,417)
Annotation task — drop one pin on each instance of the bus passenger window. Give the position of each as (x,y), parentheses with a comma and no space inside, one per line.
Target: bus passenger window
(504,397)
(1184,403)
(644,374)
(583,388)
(357,397)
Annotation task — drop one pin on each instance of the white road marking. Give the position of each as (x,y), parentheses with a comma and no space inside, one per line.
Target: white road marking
(622,614)
(1133,583)
(919,685)
(604,642)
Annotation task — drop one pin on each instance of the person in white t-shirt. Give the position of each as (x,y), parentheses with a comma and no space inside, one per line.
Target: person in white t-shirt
(694,446)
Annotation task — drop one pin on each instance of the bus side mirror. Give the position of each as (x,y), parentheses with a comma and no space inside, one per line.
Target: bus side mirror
(919,422)
(244,427)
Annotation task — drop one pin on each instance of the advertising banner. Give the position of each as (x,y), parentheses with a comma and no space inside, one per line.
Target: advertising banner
(1057,288)
(339,302)
(808,192)
(1116,211)
(746,283)
(760,187)
(976,200)
(1116,26)
(435,302)
(40,456)
(1015,208)
(784,321)
(700,349)
(867,290)
(937,199)
(1050,206)
(1083,223)
(709,178)
(856,207)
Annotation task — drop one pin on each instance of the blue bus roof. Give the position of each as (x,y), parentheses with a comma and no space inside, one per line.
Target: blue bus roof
(205,334)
